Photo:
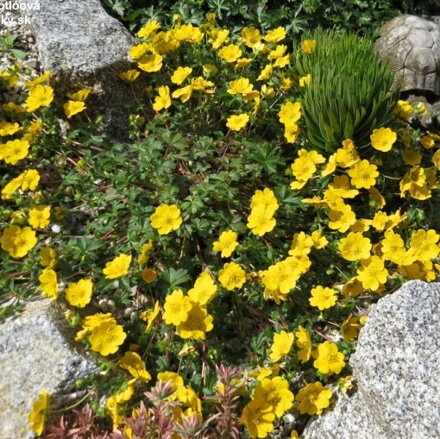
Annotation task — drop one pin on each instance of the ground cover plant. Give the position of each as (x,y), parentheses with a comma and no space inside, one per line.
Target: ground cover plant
(359,16)
(221,262)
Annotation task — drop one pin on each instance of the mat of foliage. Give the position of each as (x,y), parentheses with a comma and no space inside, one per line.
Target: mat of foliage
(222,261)
(360,16)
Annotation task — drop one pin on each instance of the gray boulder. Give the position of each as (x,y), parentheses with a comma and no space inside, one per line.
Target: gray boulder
(411,44)
(397,368)
(35,356)
(82,45)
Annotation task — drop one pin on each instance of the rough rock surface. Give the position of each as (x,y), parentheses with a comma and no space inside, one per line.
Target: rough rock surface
(411,44)
(82,45)
(35,356)
(397,368)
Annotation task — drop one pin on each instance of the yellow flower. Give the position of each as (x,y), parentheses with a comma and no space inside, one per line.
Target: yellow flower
(304,166)
(150,316)
(237,121)
(282,62)
(304,343)
(355,247)
(436,159)
(18,242)
(341,217)
(290,112)
(48,257)
(278,52)
(79,293)
(188,32)
(323,298)
(250,36)
(393,248)
(383,139)
(73,107)
(129,75)
(291,132)
(352,288)
(133,363)
(329,360)
(218,37)
(8,128)
(106,337)
(258,418)
(39,217)
(14,150)
(304,81)
(419,182)
(204,289)
(242,63)
(346,156)
(313,398)
(424,245)
(163,99)
(201,84)
(180,74)
(232,276)
(39,96)
(12,187)
(209,69)
(151,63)
(144,255)
(266,198)
(175,380)
(276,393)
(39,80)
(49,283)
(230,53)
(176,308)
(166,218)
(319,241)
(403,109)
(148,28)
(351,326)
(12,109)
(197,323)
(372,273)
(80,95)
(37,417)
(286,82)
(301,244)
(427,142)
(308,46)
(266,73)
(240,86)
(363,174)
(226,244)
(140,49)
(117,267)
(281,346)
(261,220)
(114,411)
(184,93)
(275,35)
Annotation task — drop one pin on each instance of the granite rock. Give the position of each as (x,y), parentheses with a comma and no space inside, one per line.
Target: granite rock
(35,355)
(83,46)
(397,369)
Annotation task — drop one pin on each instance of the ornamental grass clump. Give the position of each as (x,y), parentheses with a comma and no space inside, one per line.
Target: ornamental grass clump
(349,93)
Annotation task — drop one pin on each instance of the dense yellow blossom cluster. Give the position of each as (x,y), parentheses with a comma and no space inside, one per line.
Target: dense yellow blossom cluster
(356,227)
